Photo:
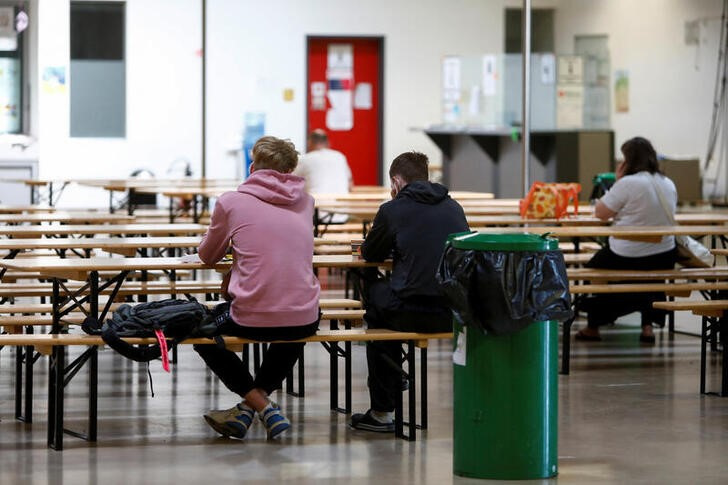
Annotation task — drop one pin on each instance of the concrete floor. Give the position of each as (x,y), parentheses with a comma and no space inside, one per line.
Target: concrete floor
(627,414)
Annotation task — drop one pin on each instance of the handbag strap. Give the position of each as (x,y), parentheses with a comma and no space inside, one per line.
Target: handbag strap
(663,202)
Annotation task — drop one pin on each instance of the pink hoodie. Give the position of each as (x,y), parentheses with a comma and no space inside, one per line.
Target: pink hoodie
(270,223)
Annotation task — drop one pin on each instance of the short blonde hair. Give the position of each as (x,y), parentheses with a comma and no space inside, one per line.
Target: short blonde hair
(275,154)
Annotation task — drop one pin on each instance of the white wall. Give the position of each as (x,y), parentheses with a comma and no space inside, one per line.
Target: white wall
(163,84)
(256,49)
(670,83)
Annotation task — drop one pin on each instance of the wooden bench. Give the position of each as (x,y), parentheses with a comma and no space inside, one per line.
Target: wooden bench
(130,288)
(713,324)
(673,283)
(54,345)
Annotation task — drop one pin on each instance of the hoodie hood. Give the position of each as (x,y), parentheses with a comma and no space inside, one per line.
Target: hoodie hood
(273,187)
(424,192)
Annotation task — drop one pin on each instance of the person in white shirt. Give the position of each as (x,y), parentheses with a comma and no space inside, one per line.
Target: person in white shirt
(326,171)
(633,200)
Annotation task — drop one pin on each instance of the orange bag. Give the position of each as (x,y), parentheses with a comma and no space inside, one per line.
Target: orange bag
(550,200)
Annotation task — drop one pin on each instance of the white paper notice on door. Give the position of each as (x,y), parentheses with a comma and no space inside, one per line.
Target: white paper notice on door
(340,78)
(363,96)
(458,355)
(340,117)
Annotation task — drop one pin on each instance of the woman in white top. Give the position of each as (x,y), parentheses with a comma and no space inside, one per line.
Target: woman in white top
(633,201)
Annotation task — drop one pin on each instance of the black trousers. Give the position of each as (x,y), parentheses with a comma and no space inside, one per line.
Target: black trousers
(603,309)
(277,363)
(384,359)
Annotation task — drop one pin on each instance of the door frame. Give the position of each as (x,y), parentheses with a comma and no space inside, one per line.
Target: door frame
(380,98)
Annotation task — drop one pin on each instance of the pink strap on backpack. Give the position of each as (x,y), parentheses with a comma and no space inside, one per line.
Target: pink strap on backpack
(163,348)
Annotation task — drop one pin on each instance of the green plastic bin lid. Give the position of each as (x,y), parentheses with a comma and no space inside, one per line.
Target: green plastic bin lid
(505,242)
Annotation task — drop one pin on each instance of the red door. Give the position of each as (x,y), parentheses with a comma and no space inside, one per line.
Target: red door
(344,98)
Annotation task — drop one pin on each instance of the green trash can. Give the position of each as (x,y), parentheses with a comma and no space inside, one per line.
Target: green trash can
(505,387)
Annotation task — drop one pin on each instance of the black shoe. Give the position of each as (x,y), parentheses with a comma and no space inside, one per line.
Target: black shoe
(367,422)
(587,338)
(405,384)
(647,339)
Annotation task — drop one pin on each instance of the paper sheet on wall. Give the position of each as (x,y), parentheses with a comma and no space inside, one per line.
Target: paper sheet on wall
(363,96)
(571,70)
(548,68)
(569,106)
(340,77)
(458,355)
(490,76)
(621,91)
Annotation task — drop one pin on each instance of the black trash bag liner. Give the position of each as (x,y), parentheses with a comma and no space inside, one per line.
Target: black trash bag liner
(503,292)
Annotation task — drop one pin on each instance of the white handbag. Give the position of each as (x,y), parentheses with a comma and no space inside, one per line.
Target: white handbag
(690,253)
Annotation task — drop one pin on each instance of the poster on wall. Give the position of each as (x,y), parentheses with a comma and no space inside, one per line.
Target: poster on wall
(490,75)
(569,107)
(548,69)
(340,78)
(54,80)
(8,39)
(621,91)
(451,89)
(318,96)
(571,70)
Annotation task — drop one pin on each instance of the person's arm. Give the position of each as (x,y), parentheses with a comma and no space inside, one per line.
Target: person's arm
(379,242)
(601,211)
(216,240)
(615,199)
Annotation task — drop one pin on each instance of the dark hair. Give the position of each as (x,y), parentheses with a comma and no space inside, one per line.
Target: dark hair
(411,166)
(639,155)
(318,137)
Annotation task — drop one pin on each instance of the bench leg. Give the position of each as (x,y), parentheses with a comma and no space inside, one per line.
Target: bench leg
(703,351)
(20,352)
(423,388)
(93,384)
(723,328)
(411,422)
(55,398)
(566,346)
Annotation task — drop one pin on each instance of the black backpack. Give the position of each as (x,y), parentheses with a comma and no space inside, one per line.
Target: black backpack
(169,319)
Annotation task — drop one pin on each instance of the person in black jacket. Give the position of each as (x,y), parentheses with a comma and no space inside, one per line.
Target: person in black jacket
(411,229)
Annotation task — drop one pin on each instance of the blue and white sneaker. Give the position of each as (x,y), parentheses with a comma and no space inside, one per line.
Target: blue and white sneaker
(233,422)
(275,423)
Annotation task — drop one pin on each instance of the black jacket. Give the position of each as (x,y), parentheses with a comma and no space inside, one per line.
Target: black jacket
(412,229)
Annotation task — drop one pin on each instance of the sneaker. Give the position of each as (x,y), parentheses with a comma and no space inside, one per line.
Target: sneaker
(275,423)
(233,422)
(367,422)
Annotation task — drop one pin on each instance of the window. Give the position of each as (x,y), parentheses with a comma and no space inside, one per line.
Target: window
(98,71)
(11,71)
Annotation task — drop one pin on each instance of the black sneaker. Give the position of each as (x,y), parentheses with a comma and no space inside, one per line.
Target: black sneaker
(367,422)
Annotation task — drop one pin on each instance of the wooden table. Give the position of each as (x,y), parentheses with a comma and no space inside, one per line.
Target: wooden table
(94,229)
(66,218)
(158,186)
(126,246)
(634,233)
(20,209)
(88,270)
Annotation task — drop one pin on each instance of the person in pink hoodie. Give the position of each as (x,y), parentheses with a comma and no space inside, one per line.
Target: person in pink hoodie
(273,292)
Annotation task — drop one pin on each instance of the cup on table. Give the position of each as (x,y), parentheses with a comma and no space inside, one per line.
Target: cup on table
(356,247)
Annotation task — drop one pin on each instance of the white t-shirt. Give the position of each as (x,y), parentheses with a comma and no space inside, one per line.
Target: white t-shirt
(634,199)
(326,172)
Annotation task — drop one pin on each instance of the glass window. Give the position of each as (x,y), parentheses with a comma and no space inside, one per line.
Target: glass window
(98,70)
(11,71)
